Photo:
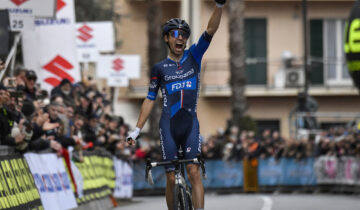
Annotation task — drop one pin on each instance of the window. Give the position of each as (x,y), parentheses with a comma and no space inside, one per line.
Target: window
(327,54)
(256,47)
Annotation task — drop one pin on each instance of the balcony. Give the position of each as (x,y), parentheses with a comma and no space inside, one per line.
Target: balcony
(216,73)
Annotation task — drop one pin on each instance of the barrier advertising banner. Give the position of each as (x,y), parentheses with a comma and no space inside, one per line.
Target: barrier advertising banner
(118,69)
(17,186)
(123,180)
(98,175)
(332,170)
(51,180)
(37,8)
(50,49)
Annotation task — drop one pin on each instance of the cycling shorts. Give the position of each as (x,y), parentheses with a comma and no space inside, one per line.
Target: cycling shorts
(181,130)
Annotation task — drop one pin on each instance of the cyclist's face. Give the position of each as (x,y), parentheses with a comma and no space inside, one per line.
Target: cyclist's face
(177,41)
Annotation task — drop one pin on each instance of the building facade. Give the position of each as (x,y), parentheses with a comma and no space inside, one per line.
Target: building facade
(273,31)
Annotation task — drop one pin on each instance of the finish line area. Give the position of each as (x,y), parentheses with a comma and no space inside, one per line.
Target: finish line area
(256,202)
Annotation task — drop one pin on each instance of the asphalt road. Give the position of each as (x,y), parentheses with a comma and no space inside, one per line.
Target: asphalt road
(256,202)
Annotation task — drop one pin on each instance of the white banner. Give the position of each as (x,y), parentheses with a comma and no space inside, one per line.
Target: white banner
(95,35)
(51,180)
(38,8)
(118,69)
(20,21)
(51,49)
(123,179)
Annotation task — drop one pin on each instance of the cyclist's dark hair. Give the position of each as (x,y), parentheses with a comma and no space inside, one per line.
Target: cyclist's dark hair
(176,23)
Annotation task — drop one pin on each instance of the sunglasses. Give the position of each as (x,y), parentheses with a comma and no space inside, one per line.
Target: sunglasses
(177,33)
(31,78)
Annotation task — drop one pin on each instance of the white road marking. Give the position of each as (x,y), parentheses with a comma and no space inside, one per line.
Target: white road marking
(267,203)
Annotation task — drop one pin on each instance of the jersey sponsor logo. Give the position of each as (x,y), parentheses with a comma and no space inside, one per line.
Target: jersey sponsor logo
(168,65)
(189,84)
(153,85)
(164,97)
(162,145)
(180,76)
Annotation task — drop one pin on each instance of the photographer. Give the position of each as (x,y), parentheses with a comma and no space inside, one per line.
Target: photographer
(7,120)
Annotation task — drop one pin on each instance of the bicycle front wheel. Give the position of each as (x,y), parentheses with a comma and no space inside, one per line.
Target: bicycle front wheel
(181,201)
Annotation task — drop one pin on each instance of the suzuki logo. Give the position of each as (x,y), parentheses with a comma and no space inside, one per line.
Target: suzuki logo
(118,64)
(58,66)
(19,2)
(85,33)
(60,5)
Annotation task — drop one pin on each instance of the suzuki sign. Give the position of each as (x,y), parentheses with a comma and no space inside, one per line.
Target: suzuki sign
(51,49)
(37,8)
(93,38)
(118,69)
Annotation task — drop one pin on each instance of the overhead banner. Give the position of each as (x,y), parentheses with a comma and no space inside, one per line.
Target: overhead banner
(118,69)
(37,8)
(50,49)
(52,181)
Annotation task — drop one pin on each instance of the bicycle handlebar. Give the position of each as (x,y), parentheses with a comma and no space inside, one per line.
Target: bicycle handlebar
(149,165)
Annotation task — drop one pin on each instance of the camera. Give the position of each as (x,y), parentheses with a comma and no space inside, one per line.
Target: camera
(16,94)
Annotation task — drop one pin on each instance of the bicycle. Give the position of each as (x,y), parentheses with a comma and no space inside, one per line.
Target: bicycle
(182,192)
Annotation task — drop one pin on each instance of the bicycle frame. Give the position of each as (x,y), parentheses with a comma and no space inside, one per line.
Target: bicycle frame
(180,185)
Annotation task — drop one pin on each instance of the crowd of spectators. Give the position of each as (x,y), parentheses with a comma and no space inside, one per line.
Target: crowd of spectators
(77,115)
(336,141)
(80,115)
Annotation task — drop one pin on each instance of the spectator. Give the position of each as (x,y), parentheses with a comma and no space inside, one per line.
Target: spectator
(30,81)
(64,90)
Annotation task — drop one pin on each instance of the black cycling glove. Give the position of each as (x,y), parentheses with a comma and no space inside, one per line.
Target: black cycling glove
(222,2)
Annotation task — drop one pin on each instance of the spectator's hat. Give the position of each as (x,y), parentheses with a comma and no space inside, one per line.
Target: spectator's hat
(28,108)
(31,75)
(65,81)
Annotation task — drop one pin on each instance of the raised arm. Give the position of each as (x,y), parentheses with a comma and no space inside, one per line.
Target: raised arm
(215,18)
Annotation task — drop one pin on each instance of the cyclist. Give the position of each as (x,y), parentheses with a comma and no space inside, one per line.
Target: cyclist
(178,78)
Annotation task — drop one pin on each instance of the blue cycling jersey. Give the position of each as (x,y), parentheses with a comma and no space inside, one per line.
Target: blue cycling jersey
(179,83)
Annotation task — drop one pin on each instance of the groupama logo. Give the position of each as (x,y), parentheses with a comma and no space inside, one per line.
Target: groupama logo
(19,2)
(118,64)
(58,66)
(85,33)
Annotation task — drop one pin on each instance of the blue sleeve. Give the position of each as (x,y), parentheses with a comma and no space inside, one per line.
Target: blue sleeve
(197,50)
(154,83)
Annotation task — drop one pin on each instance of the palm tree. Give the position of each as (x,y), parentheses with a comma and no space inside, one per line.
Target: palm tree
(155,54)
(237,60)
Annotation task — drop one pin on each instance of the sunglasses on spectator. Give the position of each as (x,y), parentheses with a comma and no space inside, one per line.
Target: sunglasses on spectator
(177,33)
(32,78)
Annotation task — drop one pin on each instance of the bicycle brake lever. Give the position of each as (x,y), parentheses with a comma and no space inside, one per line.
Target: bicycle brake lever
(202,164)
(148,174)
(150,178)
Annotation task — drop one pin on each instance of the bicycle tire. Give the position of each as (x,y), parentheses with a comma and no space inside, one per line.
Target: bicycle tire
(189,200)
(180,198)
